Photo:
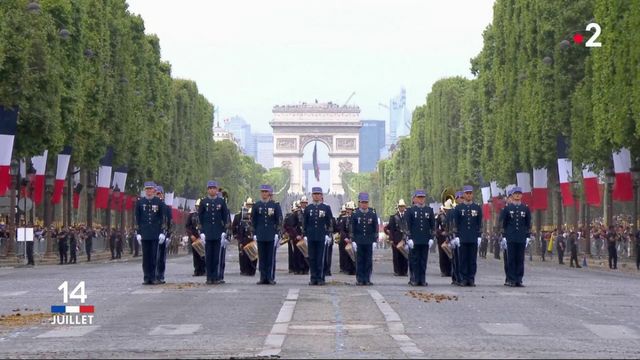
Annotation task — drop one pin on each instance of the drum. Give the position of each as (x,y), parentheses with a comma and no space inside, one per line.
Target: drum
(402,249)
(304,249)
(251,249)
(349,249)
(446,248)
(198,246)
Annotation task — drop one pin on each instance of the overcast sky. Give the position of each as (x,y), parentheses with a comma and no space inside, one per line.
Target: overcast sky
(247,56)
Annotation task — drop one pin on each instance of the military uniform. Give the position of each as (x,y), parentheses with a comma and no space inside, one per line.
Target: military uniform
(420,224)
(347,265)
(516,223)
(193,233)
(396,229)
(266,222)
(364,225)
(213,216)
(468,219)
(442,234)
(317,226)
(293,228)
(149,217)
(166,230)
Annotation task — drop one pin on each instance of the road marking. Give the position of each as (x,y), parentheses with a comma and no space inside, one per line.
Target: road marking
(147,291)
(333,327)
(69,331)
(613,332)
(396,328)
(222,291)
(11,293)
(508,329)
(180,329)
(275,339)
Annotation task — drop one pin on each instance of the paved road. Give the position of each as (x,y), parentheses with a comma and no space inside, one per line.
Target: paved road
(564,313)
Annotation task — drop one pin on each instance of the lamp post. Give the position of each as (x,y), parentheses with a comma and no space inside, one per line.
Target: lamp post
(635,172)
(107,211)
(575,186)
(116,198)
(609,178)
(14,171)
(91,188)
(49,184)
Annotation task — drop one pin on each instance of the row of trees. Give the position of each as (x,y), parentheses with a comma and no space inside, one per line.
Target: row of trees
(532,86)
(85,74)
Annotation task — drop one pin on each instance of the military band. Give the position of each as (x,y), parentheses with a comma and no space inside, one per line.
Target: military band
(396,230)
(317,229)
(150,215)
(266,218)
(213,216)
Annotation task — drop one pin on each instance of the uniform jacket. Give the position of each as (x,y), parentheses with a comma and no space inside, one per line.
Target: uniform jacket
(397,227)
(516,222)
(468,222)
(213,215)
(317,221)
(150,214)
(421,223)
(266,220)
(364,226)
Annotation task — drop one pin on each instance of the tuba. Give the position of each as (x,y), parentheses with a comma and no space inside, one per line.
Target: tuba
(448,194)
(448,200)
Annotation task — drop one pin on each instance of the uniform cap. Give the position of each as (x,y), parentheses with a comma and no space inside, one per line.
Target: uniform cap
(363,196)
(419,193)
(159,189)
(249,201)
(304,199)
(350,205)
(516,189)
(467,188)
(211,184)
(149,184)
(264,187)
(459,194)
(316,190)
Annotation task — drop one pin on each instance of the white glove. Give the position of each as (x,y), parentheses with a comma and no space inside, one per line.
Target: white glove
(203,238)
(162,238)
(305,240)
(139,238)
(528,241)
(410,243)
(430,243)
(479,241)
(503,244)
(223,240)
(167,242)
(223,237)
(255,238)
(354,246)
(276,237)
(327,240)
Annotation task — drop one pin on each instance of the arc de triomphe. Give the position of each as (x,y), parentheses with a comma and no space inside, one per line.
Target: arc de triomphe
(338,127)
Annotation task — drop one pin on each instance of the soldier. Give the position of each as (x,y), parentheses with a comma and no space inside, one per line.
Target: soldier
(166,231)
(192,228)
(364,227)
(516,223)
(397,231)
(317,227)
(442,235)
(72,237)
(266,218)
(241,229)
(113,237)
(293,228)
(62,245)
(88,242)
(420,225)
(149,217)
(328,251)
(455,243)
(468,219)
(503,242)
(573,247)
(213,216)
(347,265)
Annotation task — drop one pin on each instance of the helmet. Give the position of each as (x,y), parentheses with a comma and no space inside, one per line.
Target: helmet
(350,205)
(304,199)
(198,202)
(249,201)
(401,203)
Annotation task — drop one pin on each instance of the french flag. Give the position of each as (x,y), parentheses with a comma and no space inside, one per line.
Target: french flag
(486,207)
(623,187)
(8,125)
(104,180)
(40,164)
(540,181)
(565,171)
(524,181)
(591,188)
(169,200)
(119,181)
(61,174)
(175,210)
(496,193)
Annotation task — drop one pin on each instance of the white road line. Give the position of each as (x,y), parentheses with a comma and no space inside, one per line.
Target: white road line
(275,339)
(613,332)
(69,331)
(147,291)
(180,329)
(396,328)
(11,293)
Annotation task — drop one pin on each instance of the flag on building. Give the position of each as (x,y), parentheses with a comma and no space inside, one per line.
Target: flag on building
(40,164)
(539,196)
(316,167)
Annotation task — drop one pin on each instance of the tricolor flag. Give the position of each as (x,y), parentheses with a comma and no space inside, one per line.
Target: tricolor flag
(496,193)
(8,125)
(40,164)
(191,204)
(524,181)
(540,184)
(169,199)
(316,167)
(591,189)
(131,202)
(61,174)
(76,195)
(119,181)
(104,180)
(486,207)
(565,172)
(623,187)
(68,309)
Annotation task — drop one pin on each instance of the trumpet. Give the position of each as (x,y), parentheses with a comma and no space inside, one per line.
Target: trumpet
(284,239)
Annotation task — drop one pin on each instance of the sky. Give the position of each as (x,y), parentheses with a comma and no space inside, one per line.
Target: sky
(247,56)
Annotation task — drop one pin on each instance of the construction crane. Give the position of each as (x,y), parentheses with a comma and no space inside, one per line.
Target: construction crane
(348,99)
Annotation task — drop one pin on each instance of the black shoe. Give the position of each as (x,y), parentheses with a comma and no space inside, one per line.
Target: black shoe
(509,284)
(321,283)
(358,283)
(578,267)
(218,282)
(157,282)
(313,283)
(147,283)
(424,284)
(412,283)
(262,282)
(519,284)
(369,283)
(161,282)
(271,282)
(209,282)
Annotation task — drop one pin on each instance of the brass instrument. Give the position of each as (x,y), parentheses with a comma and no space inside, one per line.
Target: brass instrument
(349,249)
(304,249)
(284,239)
(197,245)
(446,195)
(251,249)
(402,248)
(336,238)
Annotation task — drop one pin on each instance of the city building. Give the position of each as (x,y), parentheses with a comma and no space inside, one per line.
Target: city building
(399,117)
(372,135)
(241,130)
(220,134)
(264,149)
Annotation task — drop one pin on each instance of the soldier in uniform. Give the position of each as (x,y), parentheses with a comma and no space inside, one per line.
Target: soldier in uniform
(241,228)
(293,227)
(468,219)
(503,242)
(265,220)
(213,216)
(193,232)
(166,239)
(420,225)
(396,229)
(347,265)
(442,235)
(149,217)
(455,243)
(328,251)
(62,246)
(364,227)
(72,235)
(516,223)
(317,227)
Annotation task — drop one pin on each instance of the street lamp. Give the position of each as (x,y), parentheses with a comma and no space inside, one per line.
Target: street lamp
(116,198)
(609,179)
(48,213)
(14,171)
(91,189)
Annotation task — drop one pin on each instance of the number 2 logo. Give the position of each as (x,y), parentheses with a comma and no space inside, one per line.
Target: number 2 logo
(592,40)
